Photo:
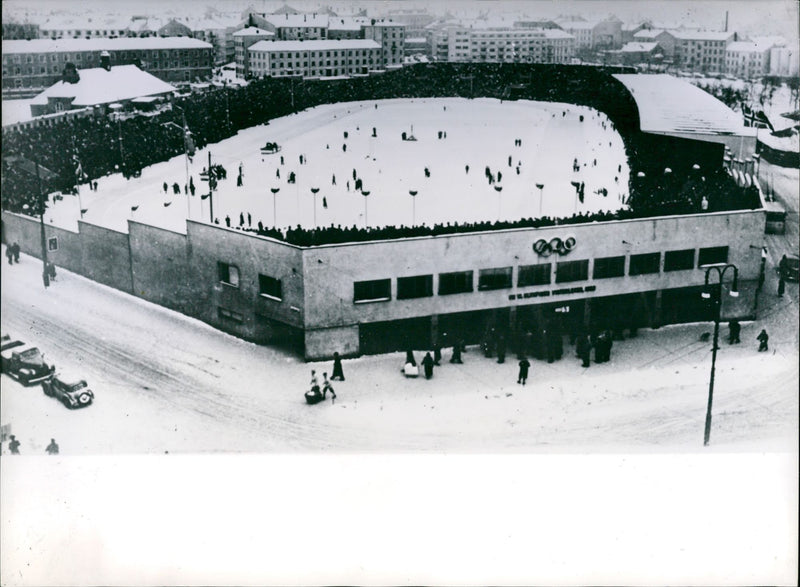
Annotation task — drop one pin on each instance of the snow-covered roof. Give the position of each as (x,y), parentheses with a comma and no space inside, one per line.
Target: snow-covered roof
(745,47)
(701,35)
(667,104)
(555,34)
(347,23)
(577,25)
(297,20)
(635,47)
(271,46)
(769,42)
(253,31)
(99,44)
(648,33)
(100,86)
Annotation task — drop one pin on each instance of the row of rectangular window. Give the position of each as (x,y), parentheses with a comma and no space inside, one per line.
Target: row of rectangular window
(268,286)
(455,282)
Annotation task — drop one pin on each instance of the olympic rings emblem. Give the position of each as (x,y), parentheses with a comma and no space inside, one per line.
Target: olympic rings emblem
(555,245)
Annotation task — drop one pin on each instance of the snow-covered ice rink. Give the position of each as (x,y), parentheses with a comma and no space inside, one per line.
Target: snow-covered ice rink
(476,133)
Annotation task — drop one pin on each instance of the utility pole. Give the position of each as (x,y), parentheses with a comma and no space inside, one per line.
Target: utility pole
(45,276)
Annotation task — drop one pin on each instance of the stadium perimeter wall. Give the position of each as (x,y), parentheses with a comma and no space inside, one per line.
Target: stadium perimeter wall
(317,305)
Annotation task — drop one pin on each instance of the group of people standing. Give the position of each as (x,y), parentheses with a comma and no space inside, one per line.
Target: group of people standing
(14,444)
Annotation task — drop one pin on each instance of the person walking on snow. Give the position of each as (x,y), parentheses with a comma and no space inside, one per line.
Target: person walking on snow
(327,388)
(52,448)
(524,365)
(314,381)
(13,445)
(763,338)
(338,373)
(427,364)
(734,330)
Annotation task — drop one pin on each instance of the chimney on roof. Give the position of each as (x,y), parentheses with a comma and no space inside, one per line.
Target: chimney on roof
(105,60)
(70,74)
(726,21)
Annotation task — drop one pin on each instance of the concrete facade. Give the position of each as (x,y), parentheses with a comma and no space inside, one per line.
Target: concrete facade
(269,291)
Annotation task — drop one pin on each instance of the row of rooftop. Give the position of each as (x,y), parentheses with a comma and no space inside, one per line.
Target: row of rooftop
(408,34)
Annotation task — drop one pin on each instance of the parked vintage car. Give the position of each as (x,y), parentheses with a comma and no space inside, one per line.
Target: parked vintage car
(24,363)
(73,393)
(789,268)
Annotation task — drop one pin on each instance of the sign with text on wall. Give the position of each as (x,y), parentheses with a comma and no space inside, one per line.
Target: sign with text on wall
(556,292)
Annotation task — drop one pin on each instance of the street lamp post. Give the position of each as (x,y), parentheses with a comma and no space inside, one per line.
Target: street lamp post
(314,191)
(541,196)
(366,218)
(719,270)
(274,207)
(45,276)
(413,194)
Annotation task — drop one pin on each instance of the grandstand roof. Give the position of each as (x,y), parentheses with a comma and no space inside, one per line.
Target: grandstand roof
(98,44)
(667,104)
(100,86)
(315,45)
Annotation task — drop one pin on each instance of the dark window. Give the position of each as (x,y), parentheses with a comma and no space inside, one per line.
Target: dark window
(372,291)
(572,271)
(226,314)
(419,286)
(712,255)
(52,243)
(498,278)
(453,283)
(228,274)
(270,287)
(608,267)
(679,260)
(644,263)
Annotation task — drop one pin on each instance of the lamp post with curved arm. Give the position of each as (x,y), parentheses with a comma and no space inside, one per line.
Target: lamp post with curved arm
(719,270)
(413,194)
(314,192)
(274,208)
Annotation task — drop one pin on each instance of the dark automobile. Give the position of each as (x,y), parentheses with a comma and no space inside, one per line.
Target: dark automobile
(73,393)
(790,268)
(24,363)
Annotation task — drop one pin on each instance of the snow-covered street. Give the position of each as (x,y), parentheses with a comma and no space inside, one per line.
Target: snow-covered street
(165,382)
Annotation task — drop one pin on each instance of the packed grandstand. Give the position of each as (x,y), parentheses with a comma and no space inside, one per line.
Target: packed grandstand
(94,146)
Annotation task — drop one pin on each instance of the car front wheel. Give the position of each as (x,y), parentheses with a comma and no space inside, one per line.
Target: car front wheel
(84,399)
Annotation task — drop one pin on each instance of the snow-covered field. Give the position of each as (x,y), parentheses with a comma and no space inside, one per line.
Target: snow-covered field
(479,133)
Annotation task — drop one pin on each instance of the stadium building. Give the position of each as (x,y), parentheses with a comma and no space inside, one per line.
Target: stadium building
(390,294)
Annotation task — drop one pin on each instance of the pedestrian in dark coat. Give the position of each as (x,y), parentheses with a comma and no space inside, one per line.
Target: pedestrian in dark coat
(241,219)
(15,251)
(763,338)
(52,448)
(338,373)
(437,354)
(456,358)
(583,348)
(427,364)
(599,348)
(734,330)
(166,187)
(501,349)
(13,445)
(781,286)
(524,365)
(10,255)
